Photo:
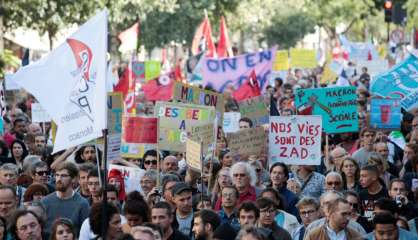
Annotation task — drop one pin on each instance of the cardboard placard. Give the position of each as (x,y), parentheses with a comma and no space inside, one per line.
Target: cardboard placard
(114,142)
(295,139)
(248,141)
(139,134)
(194,95)
(204,133)
(254,109)
(337,106)
(193,154)
(174,121)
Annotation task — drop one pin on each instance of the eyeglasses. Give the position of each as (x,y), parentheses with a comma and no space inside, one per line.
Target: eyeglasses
(354,205)
(307,213)
(268,211)
(154,162)
(61,175)
(42,173)
(93,183)
(239,175)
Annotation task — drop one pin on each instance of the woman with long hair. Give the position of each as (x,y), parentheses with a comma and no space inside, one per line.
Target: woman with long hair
(18,152)
(350,172)
(222,179)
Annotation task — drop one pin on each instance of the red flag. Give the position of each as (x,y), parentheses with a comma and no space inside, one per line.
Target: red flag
(160,89)
(126,86)
(249,89)
(202,39)
(224,45)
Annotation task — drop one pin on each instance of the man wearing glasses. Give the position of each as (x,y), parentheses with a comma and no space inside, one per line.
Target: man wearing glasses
(39,173)
(65,202)
(268,210)
(309,211)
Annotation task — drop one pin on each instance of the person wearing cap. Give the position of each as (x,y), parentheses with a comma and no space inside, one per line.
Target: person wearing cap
(182,198)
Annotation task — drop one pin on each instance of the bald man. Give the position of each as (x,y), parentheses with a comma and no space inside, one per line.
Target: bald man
(34,129)
(170,164)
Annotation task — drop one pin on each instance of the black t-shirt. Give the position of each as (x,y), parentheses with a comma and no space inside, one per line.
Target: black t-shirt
(176,235)
(367,201)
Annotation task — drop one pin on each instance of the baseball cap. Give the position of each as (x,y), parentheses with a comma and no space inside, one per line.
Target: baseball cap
(180,187)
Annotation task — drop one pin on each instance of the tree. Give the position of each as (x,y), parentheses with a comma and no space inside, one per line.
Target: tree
(287,29)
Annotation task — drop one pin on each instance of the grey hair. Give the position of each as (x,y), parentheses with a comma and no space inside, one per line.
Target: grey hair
(250,171)
(334,174)
(10,167)
(29,161)
(152,174)
(307,201)
(329,192)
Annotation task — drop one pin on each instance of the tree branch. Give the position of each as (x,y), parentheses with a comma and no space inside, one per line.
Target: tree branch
(349,26)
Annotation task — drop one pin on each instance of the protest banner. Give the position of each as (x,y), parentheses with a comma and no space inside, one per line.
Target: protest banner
(231,122)
(337,106)
(281,61)
(174,121)
(303,58)
(132,177)
(202,132)
(114,142)
(39,114)
(254,109)
(193,154)
(295,140)
(223,72)
(138,135)
(410,101)
(385,114)
(114,112)
(10,84)
(399,82)
(359,51)
(329,75)
(194,95)
(374,67)
(247,141)
(152,69)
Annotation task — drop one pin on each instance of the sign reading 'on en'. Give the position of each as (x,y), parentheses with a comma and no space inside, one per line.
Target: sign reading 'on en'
(337,106)
(295,140)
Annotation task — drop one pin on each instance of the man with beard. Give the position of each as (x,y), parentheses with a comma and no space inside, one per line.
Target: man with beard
(205,223)
(65,202)
(337,225)
(268,211)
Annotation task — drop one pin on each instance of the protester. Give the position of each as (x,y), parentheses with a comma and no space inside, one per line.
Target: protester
(111,221)
(63,229)
(26,225)
(205,223)
(162,214)
(309,211)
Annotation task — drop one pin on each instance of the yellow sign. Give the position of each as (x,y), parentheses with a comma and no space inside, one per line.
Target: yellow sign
(328,76)
(281,63)
(303,58)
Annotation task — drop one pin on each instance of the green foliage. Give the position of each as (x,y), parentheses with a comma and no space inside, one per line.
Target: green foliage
(7,59)
(286,30)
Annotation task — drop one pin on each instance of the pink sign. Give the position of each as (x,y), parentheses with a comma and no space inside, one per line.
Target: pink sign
(223,72)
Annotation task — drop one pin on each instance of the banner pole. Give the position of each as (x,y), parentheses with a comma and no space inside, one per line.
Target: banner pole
(326,149)
(201,169)
(104,184)
(158,153)
(215,137)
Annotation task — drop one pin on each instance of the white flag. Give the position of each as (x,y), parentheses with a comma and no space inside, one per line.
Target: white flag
(70,83)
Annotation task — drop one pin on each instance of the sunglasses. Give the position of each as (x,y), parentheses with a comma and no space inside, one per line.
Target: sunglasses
(154,162)
(42,173)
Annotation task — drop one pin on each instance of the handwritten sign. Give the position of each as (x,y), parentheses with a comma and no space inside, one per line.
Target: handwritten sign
(202,132)
(337,106)
(174,121)
(194,95)
(254,109)
(248,141)
(295,140)
(193,154)
(132,177)
(411,101)
(385,114)
(39,114)
(138,135)
(220,73)
(114,112)
(231,122)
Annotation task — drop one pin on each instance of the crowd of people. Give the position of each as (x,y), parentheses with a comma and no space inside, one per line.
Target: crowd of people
(365,187)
